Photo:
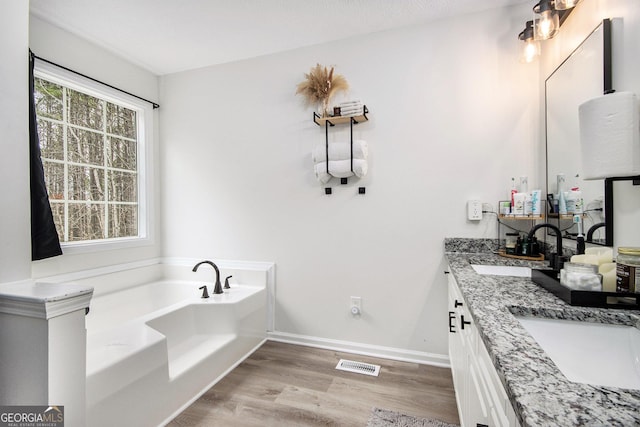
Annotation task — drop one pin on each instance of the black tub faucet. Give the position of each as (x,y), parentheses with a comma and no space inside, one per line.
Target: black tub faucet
(218,287)
(557,261)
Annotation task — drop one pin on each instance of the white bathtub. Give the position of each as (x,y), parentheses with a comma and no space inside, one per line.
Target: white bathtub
(154,348)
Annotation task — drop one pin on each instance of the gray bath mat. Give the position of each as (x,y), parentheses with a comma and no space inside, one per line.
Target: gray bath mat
(383,418)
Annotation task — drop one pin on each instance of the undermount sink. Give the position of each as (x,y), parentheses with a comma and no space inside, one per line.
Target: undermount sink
(589,353)
(502,270)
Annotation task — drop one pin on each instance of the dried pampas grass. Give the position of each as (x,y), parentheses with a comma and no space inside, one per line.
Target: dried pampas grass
(320,85)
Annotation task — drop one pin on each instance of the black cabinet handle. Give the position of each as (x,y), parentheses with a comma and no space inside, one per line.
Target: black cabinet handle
(457,304)
(463,322)
(446,272)
(452,316)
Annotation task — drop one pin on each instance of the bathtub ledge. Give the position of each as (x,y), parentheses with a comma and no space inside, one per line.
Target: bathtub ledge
(129,351)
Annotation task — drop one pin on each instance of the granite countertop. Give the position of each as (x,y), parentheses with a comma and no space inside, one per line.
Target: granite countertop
(540,394)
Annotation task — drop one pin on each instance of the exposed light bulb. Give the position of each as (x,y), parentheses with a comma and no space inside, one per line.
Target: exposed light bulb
(531,47)
(531,51)
(547,24)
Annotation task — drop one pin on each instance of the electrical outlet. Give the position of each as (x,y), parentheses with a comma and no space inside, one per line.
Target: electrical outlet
(474,210)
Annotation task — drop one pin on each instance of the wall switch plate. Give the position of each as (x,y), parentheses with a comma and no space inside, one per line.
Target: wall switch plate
(356,305)
(474,210)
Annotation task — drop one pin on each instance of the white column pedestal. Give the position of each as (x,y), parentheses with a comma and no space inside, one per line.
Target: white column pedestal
(43,346)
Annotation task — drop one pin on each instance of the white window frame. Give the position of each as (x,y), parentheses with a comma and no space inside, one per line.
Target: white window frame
(145,118)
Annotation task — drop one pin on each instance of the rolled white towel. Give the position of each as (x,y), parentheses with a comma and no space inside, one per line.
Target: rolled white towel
(346,113)
(360,167)
(320,170)
(341,169)
(341,151)
(350,103)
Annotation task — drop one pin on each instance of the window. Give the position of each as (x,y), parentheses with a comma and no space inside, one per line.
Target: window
(92,146)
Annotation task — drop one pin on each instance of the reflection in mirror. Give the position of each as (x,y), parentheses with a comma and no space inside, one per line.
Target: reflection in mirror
(579,78)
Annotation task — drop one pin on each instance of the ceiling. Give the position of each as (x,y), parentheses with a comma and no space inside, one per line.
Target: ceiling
(168,36)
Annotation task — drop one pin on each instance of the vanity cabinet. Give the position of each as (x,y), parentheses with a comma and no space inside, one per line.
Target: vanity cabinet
(480,396)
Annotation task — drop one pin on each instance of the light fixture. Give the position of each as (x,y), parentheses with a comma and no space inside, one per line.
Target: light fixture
(564,4)
(546,21)
(532,47)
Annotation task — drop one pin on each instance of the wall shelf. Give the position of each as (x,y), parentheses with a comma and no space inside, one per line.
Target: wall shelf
(521,217)
(336,120)
(331,121)
(565,216)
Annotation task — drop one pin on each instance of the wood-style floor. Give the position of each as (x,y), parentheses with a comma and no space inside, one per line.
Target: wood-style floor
(289,385)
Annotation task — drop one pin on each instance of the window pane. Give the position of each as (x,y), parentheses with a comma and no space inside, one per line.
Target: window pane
(123,186)
(85,146)
(48,99)
(122,154)
(89,151)
(51,139)
(86,221)
(123,220)
(84,110)
(58,218)
(121,121)
(85,183)
(54,179)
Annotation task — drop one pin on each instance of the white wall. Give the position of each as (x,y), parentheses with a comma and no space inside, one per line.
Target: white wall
(71,51)
(626,63)
(453,116)
(15,228)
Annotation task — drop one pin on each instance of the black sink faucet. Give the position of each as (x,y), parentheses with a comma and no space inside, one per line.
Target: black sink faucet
(218,287)
(556,262)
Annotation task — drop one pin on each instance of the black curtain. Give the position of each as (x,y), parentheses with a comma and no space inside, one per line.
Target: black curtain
(44,237)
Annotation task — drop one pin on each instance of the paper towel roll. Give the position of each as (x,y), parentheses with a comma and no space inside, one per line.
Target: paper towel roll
(610,136)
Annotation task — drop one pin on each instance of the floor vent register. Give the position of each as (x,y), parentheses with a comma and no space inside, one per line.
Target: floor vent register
(358,367)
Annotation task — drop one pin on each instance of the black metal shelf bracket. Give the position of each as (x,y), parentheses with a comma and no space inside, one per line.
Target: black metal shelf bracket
(326,143)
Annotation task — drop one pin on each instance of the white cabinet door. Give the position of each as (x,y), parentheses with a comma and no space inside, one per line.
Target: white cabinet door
(481,398)
(457,352)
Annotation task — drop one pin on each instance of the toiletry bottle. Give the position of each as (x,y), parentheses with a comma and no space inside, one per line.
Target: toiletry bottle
(535,247)
(562,205)
(528,204)
(511,241)
(518,203)
(525,246)
(553,203)
(536,208)
(513,192)
(570,202)
(576,194)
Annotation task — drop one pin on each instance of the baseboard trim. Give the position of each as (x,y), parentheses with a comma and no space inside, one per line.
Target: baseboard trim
(392,353)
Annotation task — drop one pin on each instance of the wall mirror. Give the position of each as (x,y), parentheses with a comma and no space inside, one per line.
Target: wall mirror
(584,74)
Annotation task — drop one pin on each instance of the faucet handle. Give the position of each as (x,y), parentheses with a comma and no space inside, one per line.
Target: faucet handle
(226,283)
(205,293)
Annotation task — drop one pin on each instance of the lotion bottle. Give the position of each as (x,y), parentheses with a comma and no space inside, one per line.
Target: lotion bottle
(514,190)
